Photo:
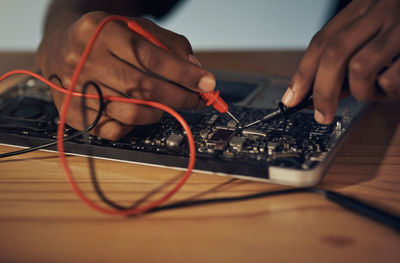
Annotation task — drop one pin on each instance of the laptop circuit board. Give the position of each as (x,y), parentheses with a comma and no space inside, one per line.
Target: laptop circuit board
(28,118)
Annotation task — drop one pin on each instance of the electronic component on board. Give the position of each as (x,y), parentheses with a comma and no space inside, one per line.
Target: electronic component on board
(203,133)
(237,143)
(174,140)
(222,135)
(232,124)
(254,132)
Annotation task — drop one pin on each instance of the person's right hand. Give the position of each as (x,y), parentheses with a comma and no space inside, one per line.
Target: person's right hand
(122,62)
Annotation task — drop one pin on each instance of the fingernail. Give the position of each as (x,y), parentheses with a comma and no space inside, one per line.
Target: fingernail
(319,116)
(194,60)
(207,83)
(288,96)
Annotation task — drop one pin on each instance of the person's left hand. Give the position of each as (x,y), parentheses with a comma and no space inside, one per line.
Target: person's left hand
(361,43)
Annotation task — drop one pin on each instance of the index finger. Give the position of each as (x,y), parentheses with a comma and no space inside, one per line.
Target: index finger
(140,53)
(303,79)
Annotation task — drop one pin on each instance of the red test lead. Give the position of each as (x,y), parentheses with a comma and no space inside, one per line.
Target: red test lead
(213,99)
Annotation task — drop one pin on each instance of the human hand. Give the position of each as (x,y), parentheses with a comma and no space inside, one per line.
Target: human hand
(123,63)
(360,43)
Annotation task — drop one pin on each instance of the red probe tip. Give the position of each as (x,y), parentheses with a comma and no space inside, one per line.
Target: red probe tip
(213,99)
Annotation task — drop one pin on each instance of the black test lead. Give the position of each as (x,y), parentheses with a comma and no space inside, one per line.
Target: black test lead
(283,112)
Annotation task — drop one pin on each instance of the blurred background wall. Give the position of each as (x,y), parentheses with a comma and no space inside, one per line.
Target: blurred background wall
(208,24)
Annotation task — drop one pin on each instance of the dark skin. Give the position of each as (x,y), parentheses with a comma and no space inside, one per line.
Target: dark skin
(361,43)
(121,62)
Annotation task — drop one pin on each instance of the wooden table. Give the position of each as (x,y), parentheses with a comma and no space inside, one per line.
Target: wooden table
(41,220)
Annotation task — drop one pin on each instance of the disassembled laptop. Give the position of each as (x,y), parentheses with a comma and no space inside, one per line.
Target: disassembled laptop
(295,151)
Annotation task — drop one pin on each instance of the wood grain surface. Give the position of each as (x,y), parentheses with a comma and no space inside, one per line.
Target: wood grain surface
(41,220)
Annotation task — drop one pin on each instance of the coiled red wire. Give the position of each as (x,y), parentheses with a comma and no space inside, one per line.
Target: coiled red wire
(67,99)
